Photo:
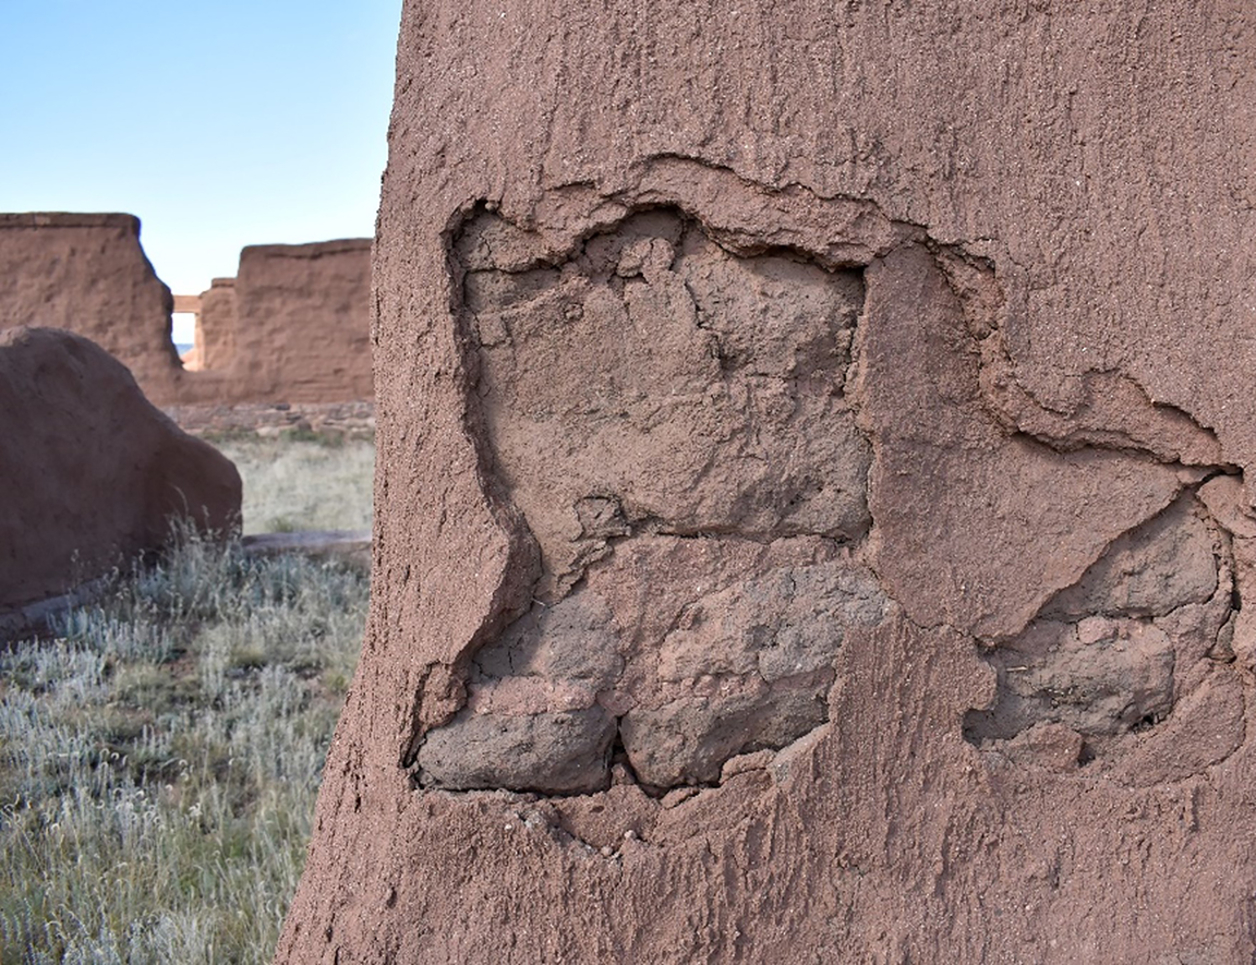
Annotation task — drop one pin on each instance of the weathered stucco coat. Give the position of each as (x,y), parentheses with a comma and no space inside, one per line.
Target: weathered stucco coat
(1035,746)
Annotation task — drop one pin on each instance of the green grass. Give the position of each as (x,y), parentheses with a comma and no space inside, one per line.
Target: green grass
(302,480)
(160,754)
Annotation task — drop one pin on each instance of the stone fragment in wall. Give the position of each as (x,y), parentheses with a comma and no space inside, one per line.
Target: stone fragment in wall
(1124,650)
(565,752)
(1100,677)
(729,650)
(688,740)
(746,668)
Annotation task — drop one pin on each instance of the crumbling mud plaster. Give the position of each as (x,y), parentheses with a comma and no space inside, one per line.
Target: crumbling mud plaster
(980,691)
(670,421)
(1142,639)
(658,404)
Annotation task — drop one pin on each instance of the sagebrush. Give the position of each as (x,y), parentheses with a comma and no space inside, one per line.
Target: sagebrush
(160,752)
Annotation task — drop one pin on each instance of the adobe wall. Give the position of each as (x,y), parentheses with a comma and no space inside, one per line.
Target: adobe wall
(293,327)
(87,273)
(301,328)
(812,515)
(91,473)
(216,326)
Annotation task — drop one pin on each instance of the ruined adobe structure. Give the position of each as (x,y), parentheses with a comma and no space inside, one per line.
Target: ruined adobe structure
(88,274)
(216,321)
(293,327)
(92,475)
(812,511)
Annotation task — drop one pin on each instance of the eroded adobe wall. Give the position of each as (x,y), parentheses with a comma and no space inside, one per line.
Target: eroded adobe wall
(293,327)
(294,324)
(812,512)
(91,473)
(88,274)
(216,326)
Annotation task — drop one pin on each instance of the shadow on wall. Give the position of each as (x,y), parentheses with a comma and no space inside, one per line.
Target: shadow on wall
(292,326)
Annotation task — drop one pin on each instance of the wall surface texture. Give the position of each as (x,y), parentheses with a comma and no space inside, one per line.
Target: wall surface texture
(216,326)
(88,274)
(812,521)
(295,325)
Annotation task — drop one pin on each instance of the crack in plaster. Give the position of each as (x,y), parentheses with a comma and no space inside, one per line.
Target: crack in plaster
(596,538)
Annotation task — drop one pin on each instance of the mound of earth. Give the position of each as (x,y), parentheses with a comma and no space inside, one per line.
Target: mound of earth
(91,474)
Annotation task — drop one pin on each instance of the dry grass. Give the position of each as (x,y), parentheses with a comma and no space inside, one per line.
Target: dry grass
(303,481)
(161,750)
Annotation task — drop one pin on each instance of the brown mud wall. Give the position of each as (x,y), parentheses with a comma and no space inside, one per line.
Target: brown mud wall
(216,326)
(294,324)
(87,273)
(293,327)
(812,515)
(92,475)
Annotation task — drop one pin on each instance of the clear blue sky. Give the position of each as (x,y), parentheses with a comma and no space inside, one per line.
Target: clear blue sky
(220,124)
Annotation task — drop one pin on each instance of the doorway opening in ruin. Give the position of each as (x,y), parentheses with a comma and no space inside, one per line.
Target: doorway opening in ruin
(183,326)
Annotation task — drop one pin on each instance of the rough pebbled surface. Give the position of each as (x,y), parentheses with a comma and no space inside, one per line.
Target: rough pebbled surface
(651,378)
(727,649)
(1043,211)
(91,473)
(651,402)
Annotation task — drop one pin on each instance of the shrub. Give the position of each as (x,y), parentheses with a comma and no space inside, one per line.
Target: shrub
(160,752)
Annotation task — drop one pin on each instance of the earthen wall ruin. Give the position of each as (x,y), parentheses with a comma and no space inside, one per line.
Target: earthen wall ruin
(812,516)
(216,326)
(92,475)
(88,274)
(294,326)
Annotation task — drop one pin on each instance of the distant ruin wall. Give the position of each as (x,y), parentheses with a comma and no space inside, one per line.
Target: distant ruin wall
(294,324)
(293,327)
(216,326)
(88,274)
(812,516)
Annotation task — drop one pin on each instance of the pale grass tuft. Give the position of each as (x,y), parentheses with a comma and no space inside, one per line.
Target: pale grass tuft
(306,481)
(159,758)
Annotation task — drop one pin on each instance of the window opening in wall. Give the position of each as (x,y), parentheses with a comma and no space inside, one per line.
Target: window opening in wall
(187,310)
